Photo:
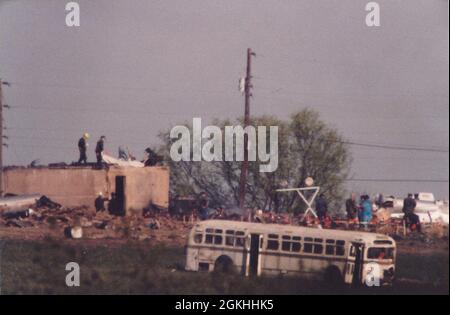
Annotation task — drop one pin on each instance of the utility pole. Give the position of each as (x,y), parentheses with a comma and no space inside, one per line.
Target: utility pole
(1,135)
(248,94)
(1,139)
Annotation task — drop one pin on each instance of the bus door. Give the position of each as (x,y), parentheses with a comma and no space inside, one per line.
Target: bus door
(254,263)
(355,264)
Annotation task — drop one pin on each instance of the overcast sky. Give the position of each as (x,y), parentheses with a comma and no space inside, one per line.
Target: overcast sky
(134,68)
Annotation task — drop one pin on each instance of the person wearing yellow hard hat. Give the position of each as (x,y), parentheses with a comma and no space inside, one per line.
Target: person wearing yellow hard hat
(82,147)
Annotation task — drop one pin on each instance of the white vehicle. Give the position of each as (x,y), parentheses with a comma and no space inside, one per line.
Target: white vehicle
(427,208)
(270,249)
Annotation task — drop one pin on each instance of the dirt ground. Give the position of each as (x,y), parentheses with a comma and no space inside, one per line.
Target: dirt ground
(145,255)
(98,227)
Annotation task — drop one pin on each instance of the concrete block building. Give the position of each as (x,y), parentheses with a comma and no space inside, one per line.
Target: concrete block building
(135,187)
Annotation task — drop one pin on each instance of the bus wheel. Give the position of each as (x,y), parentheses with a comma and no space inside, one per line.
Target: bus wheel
(224,264)
(333,276)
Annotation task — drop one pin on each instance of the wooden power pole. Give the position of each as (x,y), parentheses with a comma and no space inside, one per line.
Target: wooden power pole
(1,139)
(248,94)
(1,136)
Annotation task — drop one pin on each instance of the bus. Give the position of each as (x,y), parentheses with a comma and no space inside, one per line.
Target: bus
(254,249)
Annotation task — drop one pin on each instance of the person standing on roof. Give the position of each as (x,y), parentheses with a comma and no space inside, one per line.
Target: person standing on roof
(351,208)
(409,206)
(99,149)
(82,147)
(366,211)
(321,208)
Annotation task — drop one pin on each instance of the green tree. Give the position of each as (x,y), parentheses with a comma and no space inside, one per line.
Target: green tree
(306,147)
(320,152)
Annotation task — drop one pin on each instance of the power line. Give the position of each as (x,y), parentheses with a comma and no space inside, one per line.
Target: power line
(127,110)
(397,180)
(389,147)
(107,87)
(386,146)
(113,110)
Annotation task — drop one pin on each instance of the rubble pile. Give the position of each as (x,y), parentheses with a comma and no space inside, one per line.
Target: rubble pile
(82,222)
(47,218)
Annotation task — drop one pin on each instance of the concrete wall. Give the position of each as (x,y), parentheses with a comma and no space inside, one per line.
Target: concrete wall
(80,186)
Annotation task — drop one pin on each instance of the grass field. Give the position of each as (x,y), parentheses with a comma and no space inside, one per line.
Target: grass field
(38,267)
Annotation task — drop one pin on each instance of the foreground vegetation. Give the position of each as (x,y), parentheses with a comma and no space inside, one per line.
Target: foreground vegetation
(31,267)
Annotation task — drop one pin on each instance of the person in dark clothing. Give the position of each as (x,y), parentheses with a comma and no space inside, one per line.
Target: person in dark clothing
(351,208)
(82,147)
(202,205)
(409,204)
(321,207)
(112,205)
(412,219)
(100,203)
(99,149)
(152,158)
(379,200)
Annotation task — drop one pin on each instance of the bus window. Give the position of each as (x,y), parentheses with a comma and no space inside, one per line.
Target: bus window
(313,246)
(234,238)
(329,248)
(240,239)
(286,244)
(290,244)
(218,239)
(229,238)
(380,253)
(296,247)
(272,242)
(208,239)
(335,248)
(198,238)
(318,248)
(308,246)
(340,248)
(213,237)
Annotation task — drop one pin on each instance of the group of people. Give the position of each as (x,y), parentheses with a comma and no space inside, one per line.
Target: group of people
(114,207)
(82,147)
(151,158)
(362,211)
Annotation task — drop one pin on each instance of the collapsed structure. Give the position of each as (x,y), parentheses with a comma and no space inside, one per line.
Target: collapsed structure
(135,188)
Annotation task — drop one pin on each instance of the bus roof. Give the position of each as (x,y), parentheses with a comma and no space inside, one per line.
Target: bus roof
(351,236)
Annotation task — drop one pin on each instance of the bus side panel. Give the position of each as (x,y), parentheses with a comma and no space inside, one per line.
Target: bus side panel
(270,264)
(210,255)
(191,259)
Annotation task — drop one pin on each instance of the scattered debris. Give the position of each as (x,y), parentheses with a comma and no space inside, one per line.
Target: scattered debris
(76,232)
(44,201)
(112,160)
(18,202)
(157,224)
(18,223)
(17,214)
(154,224)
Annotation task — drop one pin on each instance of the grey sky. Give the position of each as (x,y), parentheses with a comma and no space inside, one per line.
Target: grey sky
(135,67)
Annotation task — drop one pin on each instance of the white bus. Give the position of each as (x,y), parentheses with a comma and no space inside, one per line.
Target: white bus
(271,249)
